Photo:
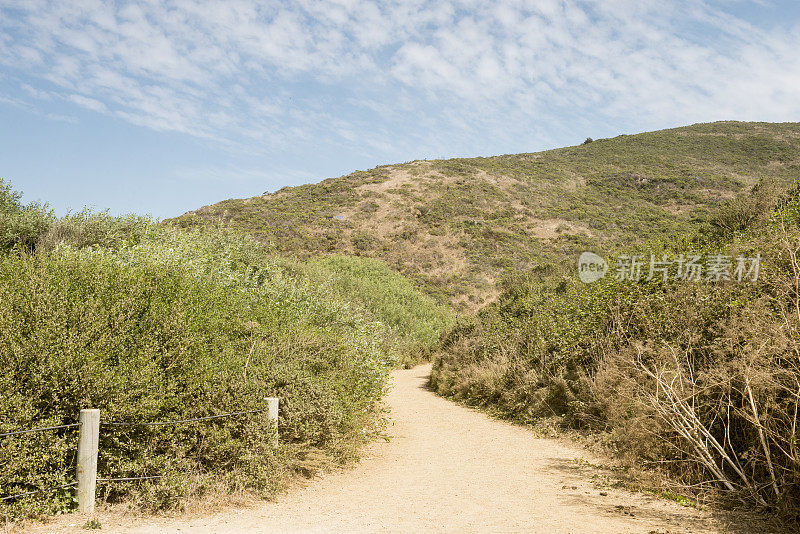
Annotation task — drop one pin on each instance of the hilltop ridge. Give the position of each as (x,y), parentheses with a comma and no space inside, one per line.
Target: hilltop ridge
(457,226)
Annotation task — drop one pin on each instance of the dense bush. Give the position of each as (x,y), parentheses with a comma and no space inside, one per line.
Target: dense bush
(415,320)
(85,229)
(701,377)
(149,323)
(21,225)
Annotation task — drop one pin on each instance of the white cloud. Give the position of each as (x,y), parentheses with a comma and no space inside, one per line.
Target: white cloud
(90,103)
(61,118)
(269,75)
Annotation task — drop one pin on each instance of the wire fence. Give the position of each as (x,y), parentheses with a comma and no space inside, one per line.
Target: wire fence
(163,423)
(31,431)
(42,429)
(127,479)
(25,494)
(273,413)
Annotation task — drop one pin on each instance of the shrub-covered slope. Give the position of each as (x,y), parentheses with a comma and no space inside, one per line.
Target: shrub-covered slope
(415,320)
(150,323)
(698,377)
(457,226)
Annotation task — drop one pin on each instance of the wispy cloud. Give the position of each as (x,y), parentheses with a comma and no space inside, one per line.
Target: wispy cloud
(90,103)
(267,76)
(31,108)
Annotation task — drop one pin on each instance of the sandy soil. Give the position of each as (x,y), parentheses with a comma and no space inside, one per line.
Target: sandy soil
(446,469)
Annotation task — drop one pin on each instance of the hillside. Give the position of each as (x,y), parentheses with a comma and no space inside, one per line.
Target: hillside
(458,225)
(152,324)
(697,379)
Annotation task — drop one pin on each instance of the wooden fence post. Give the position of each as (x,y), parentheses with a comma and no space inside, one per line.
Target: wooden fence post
(87,459)
(272,413)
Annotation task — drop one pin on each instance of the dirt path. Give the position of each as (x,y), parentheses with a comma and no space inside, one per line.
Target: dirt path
(447,469)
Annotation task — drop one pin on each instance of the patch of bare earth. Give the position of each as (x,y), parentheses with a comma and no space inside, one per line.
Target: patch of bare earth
(552,228)
(446,469)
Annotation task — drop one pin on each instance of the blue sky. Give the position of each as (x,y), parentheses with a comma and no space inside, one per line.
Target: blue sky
(161,107)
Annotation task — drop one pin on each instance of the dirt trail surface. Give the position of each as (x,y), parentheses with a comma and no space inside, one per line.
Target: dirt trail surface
(446,469)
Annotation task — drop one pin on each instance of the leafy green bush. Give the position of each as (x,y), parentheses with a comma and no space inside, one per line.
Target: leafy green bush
(415,319)
(21,225)
(149,324)
(85,229)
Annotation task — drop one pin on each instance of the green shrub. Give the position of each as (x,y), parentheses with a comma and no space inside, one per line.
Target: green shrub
(415,319)
(744,212)
(155,324)
(21,225)
(85,229)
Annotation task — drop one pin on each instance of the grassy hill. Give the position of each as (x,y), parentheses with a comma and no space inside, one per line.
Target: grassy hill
(459,225)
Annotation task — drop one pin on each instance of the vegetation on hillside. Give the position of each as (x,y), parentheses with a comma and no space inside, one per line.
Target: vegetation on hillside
(457,226)
(160,322)
(415,319)
(698,377)
(150,323)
